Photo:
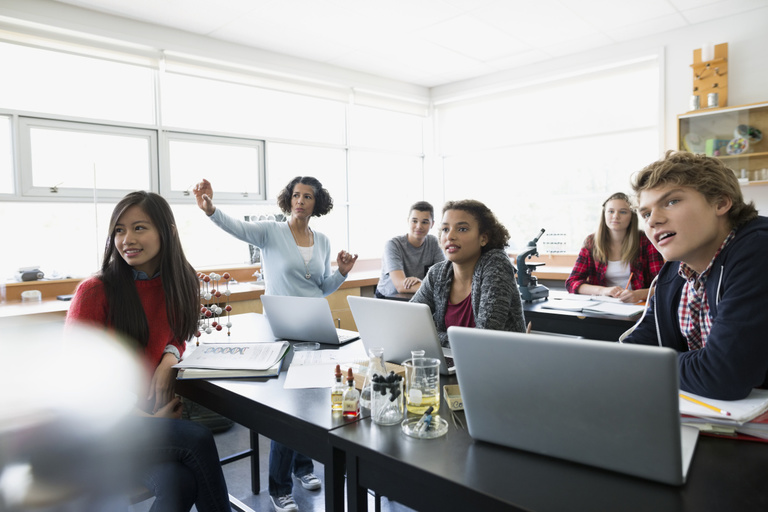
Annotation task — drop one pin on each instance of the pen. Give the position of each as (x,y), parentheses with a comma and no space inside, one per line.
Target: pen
(699,402)
(629,280)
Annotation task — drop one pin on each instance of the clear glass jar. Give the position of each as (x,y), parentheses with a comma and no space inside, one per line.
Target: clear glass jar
(387,402)
(375,366)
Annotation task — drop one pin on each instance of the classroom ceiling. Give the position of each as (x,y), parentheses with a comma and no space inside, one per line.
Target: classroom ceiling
(424,42)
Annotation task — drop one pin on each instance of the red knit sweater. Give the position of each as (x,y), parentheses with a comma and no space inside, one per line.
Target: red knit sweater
(89,305)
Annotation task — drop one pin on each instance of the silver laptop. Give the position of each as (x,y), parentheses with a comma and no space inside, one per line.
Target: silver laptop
(599,403)
(303,319)
(399,327)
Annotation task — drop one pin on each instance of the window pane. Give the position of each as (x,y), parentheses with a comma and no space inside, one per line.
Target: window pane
(69,237)
(6,156)
(561,193)
(72,85)
(78,158)
(382,187)
(286,161)
(384,129)
(232,165)
(548,156)
(211,105)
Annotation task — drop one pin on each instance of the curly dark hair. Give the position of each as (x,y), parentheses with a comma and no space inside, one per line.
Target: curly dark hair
(323,200)
(489,225)
(705,174)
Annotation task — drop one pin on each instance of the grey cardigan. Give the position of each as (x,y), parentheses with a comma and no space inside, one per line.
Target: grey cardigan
(495,299)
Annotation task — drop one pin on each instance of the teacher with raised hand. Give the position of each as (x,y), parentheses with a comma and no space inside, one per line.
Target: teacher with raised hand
(296,261)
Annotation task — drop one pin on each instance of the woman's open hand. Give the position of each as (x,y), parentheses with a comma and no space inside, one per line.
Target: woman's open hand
(204,196)
(345,261)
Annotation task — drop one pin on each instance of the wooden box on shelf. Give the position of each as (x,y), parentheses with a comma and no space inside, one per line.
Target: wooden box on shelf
(708,131)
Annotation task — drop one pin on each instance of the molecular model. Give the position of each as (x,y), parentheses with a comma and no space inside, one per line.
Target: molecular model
(211,309)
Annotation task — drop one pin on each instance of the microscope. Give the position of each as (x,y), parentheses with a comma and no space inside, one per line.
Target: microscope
(530,290)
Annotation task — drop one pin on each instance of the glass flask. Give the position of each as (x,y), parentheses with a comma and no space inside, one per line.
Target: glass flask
(375,366)
(387,399)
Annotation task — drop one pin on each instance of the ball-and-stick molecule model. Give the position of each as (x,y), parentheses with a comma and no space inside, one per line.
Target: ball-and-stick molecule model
(213,307)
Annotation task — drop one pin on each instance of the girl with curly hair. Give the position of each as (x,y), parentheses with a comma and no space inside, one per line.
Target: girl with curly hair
(475,285)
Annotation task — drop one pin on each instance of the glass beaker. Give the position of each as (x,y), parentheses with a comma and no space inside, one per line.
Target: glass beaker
(387,399)
(422,384)
(375,366)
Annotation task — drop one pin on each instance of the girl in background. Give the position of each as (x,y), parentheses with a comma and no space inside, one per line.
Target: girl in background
(618,260)
(148,291)
(407,258)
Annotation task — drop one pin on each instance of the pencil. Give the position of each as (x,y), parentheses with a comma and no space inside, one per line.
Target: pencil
(528,329)
(629,280)
(699,402)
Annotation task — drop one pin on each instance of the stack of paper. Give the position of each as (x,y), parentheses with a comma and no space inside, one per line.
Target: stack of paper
(233,360)
(746,416)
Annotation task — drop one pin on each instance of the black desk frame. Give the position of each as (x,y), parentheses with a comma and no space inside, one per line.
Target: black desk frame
(282,427)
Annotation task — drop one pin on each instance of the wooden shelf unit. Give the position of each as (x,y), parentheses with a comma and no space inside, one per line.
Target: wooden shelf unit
(720,124)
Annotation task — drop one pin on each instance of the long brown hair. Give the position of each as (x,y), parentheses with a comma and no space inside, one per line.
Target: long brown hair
(630,247)
(125,312)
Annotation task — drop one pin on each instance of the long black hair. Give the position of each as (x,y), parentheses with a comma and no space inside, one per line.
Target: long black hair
(125,312)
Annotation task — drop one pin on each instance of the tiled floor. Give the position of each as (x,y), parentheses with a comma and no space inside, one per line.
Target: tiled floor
(238,476)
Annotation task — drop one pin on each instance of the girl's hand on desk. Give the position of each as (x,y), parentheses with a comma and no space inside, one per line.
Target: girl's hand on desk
(627,296)
(345,261)
(161,385)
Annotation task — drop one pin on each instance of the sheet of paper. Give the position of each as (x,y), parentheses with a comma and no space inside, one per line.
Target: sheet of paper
(315,368)
(567,304)
(616,309)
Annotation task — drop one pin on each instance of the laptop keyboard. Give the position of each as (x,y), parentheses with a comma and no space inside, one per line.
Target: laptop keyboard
(344,336)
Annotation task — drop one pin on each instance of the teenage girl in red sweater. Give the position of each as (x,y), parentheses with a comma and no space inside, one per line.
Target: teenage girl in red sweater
(148,291)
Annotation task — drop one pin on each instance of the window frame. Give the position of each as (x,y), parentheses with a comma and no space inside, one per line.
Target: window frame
(165,189)
(53,192)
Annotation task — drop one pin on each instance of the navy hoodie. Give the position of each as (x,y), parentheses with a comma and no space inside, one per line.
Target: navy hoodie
(735,357)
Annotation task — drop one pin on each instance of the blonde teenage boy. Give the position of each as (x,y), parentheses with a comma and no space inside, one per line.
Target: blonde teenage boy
(711,300)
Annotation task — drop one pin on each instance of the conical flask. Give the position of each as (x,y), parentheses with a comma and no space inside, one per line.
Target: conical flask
(375,366)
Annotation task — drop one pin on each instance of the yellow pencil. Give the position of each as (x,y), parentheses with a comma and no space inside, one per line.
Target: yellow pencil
(699,402)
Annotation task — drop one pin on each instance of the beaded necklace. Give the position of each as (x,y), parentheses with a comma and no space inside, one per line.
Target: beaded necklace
(307,275)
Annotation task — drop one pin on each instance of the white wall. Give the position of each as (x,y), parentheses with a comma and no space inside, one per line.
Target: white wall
(747,38)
